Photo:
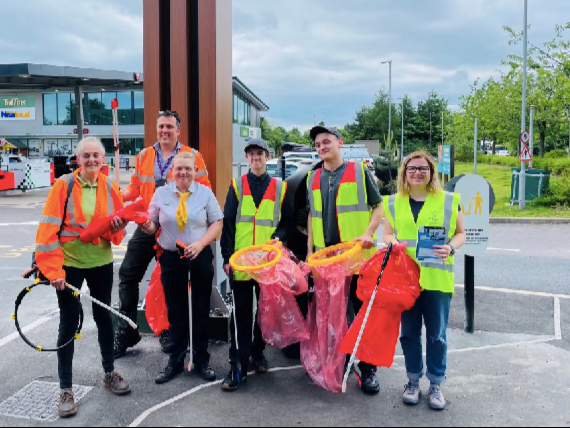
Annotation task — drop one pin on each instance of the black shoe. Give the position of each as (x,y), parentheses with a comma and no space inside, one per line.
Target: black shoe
(169,373)
(369,382)
(260,365)
(206,371)
(233,380)
(123,341)
(166,342)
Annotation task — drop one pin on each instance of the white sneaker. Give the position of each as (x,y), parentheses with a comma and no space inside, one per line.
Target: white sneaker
(436,400)
(412,393)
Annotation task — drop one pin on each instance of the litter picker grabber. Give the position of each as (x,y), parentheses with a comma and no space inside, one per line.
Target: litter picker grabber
(115,109)
(353,356)
(181,247)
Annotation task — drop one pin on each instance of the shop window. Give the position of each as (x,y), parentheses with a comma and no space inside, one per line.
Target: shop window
(139,107)
(125,108)
(50,109)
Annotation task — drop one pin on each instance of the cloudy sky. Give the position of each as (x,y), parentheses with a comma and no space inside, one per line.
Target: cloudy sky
(307,59)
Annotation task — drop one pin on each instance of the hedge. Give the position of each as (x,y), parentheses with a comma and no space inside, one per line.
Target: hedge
(557,166)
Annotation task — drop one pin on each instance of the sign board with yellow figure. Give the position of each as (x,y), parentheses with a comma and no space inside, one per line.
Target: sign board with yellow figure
(475,199)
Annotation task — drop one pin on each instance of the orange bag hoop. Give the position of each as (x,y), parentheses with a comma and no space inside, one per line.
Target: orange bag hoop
(353,249)
(268,248)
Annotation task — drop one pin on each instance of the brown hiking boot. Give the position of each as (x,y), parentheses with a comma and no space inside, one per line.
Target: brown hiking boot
(115,382)
(67,406)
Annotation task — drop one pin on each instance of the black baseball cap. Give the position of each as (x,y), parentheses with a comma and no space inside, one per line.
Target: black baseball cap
(324,130)
(257,142)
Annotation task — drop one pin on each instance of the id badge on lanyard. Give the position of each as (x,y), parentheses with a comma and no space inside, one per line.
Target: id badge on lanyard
(162,169)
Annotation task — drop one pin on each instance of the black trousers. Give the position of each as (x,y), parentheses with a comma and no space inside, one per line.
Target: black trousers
(357,305)
(174,278)
(100,283)
(140,252)
(250,345)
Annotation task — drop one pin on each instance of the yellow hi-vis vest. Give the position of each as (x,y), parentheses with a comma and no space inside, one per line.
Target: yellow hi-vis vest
(353,212)
(440,210)
(256,226)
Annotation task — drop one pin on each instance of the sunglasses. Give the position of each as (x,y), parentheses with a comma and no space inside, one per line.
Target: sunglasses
(169,113)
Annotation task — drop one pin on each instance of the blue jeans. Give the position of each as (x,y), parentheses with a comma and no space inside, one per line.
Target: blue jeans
(433,307)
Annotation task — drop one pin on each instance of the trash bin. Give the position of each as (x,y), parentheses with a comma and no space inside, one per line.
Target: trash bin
(537,183)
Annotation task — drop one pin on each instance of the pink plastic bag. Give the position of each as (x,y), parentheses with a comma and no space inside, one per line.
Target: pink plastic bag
(156,311)
(321,355)
(279,316)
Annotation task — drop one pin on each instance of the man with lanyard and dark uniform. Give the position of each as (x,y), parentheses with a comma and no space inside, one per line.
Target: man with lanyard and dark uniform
(152,170)
(335,185)
(250,206)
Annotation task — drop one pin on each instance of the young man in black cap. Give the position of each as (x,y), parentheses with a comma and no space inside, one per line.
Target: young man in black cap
(249,210)
(339,215)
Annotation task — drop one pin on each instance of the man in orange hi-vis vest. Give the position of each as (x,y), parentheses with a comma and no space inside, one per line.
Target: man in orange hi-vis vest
(152,171)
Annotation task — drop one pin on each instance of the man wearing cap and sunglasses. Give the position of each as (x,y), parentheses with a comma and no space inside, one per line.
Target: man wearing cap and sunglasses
(345,206)
(255,212)
(153,170)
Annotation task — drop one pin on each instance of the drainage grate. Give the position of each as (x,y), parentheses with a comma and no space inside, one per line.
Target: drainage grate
(38,401)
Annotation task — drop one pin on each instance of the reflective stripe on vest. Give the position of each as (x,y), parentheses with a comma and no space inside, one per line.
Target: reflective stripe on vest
(353,215)
(255,226)
(439,210)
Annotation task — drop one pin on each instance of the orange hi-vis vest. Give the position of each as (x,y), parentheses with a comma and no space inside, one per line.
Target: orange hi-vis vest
(49,254)
(142,181)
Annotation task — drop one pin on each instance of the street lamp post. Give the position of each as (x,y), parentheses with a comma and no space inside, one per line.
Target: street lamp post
(389,98)
(522,176)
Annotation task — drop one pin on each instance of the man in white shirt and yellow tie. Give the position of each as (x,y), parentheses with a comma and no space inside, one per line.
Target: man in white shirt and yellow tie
(187,212)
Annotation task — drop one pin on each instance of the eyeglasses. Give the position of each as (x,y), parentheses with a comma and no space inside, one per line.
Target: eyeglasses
(414,169)
(169,113)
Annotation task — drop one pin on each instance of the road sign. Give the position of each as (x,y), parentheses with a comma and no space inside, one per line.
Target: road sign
(525,154)
(525,137)
(475,199)
(444,160)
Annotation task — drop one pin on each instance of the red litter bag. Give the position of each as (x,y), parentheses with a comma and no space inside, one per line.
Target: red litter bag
(397,292)
(321,354)
(134,212)
(280,279)
(156,311)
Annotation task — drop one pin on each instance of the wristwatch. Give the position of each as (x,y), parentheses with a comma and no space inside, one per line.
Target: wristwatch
(452,249)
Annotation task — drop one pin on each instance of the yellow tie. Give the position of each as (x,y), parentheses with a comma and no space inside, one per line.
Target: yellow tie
(182,212)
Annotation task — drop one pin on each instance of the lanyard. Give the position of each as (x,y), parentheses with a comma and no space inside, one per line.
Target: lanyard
(166,167)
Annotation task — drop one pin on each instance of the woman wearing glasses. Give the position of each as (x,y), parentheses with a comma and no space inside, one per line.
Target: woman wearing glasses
(187,212)
(421,203)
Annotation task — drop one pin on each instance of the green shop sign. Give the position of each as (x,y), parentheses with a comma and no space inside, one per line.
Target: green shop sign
(28,101)
(244,132)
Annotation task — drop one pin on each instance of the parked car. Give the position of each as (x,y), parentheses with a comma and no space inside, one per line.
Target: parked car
(499,151)
(290,168)
(358,153)
(303,155)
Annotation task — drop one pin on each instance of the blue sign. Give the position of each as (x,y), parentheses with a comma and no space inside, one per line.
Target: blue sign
(444,160)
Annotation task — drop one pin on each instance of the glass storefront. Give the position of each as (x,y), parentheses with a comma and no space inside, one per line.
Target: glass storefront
(129,146)
(60,109)
(241,109)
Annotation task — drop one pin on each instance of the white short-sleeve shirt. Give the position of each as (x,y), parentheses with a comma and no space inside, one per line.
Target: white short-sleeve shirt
(203,210)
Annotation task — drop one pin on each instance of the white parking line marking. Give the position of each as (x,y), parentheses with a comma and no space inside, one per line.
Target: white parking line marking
(28,328)
(524,292)
(557,321)
(199,388)
(504,249)
(28,223)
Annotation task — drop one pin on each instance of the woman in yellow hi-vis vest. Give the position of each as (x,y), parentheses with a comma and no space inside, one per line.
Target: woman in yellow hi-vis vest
(345,206)
(421,203)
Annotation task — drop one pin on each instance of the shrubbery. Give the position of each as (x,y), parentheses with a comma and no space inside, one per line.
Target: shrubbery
(557,166)
(558,194)
(387,173)
(556,154)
